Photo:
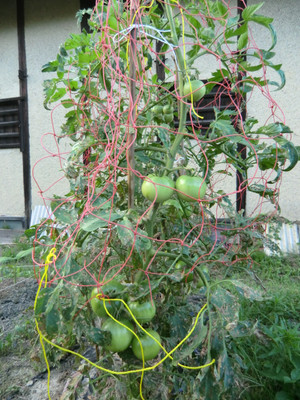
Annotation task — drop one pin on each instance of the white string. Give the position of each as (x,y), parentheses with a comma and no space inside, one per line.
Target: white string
(138,27)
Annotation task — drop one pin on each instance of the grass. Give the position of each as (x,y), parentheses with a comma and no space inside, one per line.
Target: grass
(271,353)
(15,260)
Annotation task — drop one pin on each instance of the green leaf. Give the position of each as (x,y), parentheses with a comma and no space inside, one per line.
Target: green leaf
(244,65)
(4,260)
(262,190)
(42,300)
(247,292)
(222,10)
(67,103)
(25,253)
(295,375)
(96,336)
(101,219)
(272,129)
(52,320)
(283,396)
(125,232)
(225,370)
(131,236)
(224,125)
(193,21)
(273,36)
(292,156)
(58,94)
(194,341)
(65,216)
(164,136)
(243,41)
(51,66)
(261,19)
(236,32)
(226,304)
(249,11)
(233,21)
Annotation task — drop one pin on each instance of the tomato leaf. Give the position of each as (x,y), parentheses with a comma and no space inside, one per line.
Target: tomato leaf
(243,41)
(52,320)
(249,11)
(194,341)
(102,219)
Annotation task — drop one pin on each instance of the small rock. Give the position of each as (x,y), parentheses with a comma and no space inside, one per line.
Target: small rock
(29,383)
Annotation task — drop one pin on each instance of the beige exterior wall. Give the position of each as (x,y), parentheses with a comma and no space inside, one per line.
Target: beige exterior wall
(286,23)
(48,24)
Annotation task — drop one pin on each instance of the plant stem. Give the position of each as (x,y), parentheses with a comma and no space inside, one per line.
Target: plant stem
(183,105)
(131,132)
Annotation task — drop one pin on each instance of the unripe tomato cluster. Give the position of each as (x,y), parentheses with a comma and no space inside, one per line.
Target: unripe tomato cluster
(160,188)
(121,337)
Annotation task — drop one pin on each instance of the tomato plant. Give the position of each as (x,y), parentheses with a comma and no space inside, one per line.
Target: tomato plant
(190,188)
(158,188)
(132,133)
(120,336)
(143,312)
(150,347)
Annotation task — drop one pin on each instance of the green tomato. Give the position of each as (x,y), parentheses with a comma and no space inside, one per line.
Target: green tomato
(198,90)
(168,118)
(120,336)
(168,109)
(190,186)
(163,193)
(150,347)
(180,265)
(143,312)
(110,290)
(157,110)
(200,283)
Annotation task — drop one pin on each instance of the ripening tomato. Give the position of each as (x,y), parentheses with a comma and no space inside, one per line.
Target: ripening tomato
(121,337)
(192,187)
(152,184)
(150,347)
(198,90)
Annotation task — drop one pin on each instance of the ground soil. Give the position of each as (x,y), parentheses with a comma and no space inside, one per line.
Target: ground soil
(23,374)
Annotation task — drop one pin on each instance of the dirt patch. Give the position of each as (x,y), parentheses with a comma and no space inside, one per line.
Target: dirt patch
(23,375)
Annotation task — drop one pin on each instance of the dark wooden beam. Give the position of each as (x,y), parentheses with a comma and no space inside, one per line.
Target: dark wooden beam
(24,109)
(241,149)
